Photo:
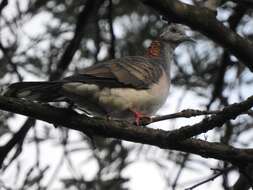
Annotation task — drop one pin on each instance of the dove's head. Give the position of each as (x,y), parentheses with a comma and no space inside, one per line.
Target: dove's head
(167,41)
(174,34)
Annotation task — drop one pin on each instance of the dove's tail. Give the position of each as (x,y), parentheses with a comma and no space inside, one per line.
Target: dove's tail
(40,91)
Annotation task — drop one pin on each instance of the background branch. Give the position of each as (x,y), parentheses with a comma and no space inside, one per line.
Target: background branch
(203,20)
(91,7)
(3,4)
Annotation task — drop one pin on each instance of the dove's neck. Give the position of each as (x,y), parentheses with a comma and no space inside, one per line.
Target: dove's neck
(163,51)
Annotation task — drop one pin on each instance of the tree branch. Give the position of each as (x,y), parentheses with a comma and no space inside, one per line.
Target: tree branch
(243,183)
(91,8)
(3,4)
(215,175)
(204,20)
(82,20)
(17,139)
(247,2)
(229,112)
(9,60)
(125,131)
(187,113)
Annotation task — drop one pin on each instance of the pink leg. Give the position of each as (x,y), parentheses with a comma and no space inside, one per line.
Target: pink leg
(140,118)
(137,116)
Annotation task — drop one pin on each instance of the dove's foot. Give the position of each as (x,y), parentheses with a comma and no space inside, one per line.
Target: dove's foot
(141,119)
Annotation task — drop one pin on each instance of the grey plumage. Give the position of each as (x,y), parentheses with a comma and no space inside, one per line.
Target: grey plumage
(117,87)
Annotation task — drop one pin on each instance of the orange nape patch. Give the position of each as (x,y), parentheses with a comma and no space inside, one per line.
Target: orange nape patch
(154,49)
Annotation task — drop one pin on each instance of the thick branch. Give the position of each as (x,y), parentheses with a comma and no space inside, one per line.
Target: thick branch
(229,112)
(204,21)
(124,131)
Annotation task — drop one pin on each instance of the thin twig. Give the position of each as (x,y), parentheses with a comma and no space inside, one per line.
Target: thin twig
(13,65)
(55,173)
(182,166)
(187,113)
(110,18)
(88,11)
(214,176)
(17,139)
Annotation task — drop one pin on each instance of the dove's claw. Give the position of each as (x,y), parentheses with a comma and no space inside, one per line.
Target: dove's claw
(140,118)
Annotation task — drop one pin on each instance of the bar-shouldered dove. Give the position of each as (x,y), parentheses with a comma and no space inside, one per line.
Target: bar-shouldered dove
(129,87)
